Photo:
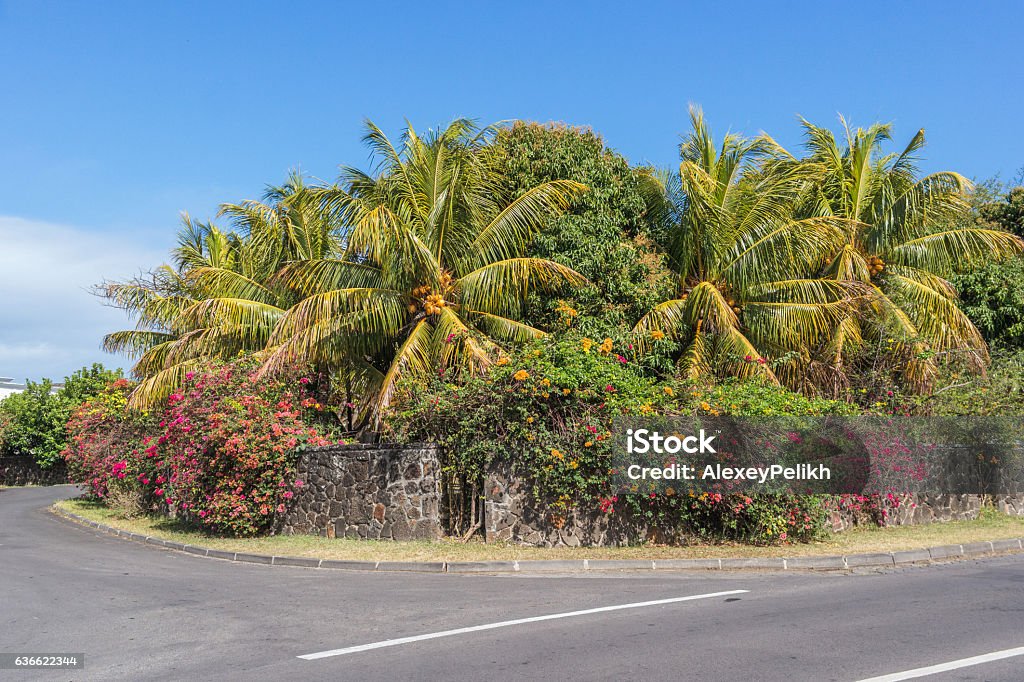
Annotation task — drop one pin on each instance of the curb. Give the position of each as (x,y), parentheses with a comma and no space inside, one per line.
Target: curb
(800,563)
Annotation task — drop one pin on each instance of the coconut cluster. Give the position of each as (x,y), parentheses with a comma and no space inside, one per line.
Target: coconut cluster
(875,265)
(429,300)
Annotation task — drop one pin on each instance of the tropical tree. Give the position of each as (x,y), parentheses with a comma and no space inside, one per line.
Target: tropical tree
(911,236)
(433,275)
(220,297)
(745,303)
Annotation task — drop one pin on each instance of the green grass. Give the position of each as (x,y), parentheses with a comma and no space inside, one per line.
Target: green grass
(991,526)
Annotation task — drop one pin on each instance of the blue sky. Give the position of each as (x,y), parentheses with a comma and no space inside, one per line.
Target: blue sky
(115,116)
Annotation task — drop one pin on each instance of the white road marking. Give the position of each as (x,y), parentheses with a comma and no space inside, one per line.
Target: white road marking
(945,667)
(507,623)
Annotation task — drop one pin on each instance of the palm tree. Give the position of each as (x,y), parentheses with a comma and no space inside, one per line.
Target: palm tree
(433,275)
(911,235)
(220,298)
(742,260)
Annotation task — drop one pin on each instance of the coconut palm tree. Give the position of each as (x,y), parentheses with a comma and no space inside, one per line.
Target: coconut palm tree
(743,261)
(220,298)
(911,235)
(433,275)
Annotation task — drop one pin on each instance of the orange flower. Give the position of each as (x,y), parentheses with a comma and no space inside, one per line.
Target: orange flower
(657,335)
(521,375)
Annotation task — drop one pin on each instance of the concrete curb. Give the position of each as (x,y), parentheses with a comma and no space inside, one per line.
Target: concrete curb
(799,563)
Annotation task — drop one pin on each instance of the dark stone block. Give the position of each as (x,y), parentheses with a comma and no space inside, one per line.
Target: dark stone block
(400,529)
(349,565)
(305,562)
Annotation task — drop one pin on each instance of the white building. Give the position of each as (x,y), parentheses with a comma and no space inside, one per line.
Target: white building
(7,387)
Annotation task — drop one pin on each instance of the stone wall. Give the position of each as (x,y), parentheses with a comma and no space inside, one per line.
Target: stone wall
(395,493)
(25,471)
(915,510)
(375,492)
(511,515)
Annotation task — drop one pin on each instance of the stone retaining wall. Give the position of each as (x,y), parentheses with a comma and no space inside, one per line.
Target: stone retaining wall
(25,471)
(511,515)
(384,492)
(914,510)
(395,493)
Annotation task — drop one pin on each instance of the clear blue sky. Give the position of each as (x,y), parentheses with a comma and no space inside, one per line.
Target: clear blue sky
(115,116)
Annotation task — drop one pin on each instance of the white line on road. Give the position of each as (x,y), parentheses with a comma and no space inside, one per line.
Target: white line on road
(952,665)
(507,623)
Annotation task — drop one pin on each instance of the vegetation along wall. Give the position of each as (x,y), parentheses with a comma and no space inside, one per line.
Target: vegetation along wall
(396,492)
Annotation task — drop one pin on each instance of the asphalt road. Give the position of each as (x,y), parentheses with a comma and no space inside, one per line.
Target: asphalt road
(144,613)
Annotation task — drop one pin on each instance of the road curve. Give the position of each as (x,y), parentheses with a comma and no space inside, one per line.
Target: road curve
(143,613)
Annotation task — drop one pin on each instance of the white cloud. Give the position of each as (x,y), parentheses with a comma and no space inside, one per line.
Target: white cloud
(50,324)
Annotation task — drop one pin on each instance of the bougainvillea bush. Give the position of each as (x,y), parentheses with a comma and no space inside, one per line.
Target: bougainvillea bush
(548,409)
(221,453)
(103,438)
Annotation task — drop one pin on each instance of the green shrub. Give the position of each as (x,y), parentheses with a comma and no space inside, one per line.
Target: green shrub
(758,398)
(1000,392)
(993,298)
(548,411)
(606,237)
(36,419)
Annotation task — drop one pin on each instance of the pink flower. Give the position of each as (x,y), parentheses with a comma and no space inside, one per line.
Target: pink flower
(304,380)
(288,494)
(609,388)
(299,484)
(189,375)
